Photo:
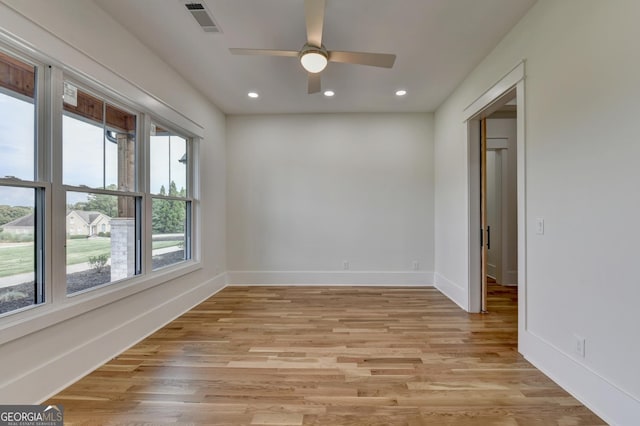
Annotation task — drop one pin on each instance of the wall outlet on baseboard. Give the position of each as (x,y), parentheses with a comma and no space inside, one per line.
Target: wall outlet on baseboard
(416,265)
(345,265)
(579,345)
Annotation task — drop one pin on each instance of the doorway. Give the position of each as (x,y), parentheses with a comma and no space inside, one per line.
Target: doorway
(500,203)
(508,90)
(497,208)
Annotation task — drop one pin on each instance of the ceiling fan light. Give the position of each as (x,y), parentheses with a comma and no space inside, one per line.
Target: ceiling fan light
(313,61)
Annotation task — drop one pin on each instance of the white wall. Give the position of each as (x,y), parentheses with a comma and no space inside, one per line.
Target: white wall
(79,35)
(308,192)
(582,150)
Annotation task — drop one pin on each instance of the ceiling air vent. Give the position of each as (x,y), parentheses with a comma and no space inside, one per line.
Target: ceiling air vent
(202,16)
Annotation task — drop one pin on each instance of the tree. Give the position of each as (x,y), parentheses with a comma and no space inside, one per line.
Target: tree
(103,203)
(10,213)
(168,215)
(106,204)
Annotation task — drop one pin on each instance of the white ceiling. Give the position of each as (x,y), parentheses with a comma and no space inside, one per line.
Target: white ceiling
(437,43)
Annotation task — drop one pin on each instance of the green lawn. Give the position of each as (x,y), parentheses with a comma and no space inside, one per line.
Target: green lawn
(79,251)
(17,260)
(163,244)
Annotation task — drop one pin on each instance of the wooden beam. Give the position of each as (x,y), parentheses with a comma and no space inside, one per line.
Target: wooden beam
(88,107)
(17,76)
(120,120)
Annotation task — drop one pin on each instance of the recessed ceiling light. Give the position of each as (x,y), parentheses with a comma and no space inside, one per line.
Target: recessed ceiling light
(252,95)
(401,92)
(329,93)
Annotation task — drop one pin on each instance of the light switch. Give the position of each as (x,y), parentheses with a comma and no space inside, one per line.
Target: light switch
(539,226)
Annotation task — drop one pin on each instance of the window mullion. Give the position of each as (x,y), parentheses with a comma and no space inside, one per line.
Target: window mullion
(193,181)
(58,195)
(43,194)
(144,136)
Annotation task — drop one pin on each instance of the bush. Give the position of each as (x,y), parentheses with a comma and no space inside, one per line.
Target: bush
(77,237)
(11,295)
(98,263)
(104,234)
(15,238)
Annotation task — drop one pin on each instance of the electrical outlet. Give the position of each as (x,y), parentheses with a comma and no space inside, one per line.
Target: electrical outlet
(345,265)
(579,345)
(416,265)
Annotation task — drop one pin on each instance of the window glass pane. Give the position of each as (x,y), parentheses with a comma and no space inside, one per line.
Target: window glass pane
(17,248)
(101,239)
(169,232)
(111,162)
(98,145)
(168,164)
(178,166)
(17,118)
(82,152)
(159,160)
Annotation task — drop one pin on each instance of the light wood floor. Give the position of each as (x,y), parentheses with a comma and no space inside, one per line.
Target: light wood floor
(330,356)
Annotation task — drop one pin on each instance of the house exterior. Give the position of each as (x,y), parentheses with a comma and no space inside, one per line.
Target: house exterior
(78,222)
(85,223)
(20,226)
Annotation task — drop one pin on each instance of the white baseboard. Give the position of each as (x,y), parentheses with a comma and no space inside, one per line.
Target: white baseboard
(612,404)
(362,278)
(453,291)
(57,373)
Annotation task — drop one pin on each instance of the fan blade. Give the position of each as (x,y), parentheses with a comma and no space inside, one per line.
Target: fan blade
(383,60)
(265,52)
(314,15)
(314,83)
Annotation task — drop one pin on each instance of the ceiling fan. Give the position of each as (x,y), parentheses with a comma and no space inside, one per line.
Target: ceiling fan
(314,56)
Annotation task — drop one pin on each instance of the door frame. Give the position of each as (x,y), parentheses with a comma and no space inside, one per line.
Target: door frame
(513,83)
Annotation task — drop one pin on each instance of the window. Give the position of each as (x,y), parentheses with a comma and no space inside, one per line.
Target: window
(21,195)
(71,176)
(171,203)
(99,152)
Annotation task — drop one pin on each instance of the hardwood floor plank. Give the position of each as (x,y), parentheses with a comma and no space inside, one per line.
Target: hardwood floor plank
(330,356)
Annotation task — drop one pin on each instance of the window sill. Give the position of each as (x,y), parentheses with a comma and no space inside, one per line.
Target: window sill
(39,317)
